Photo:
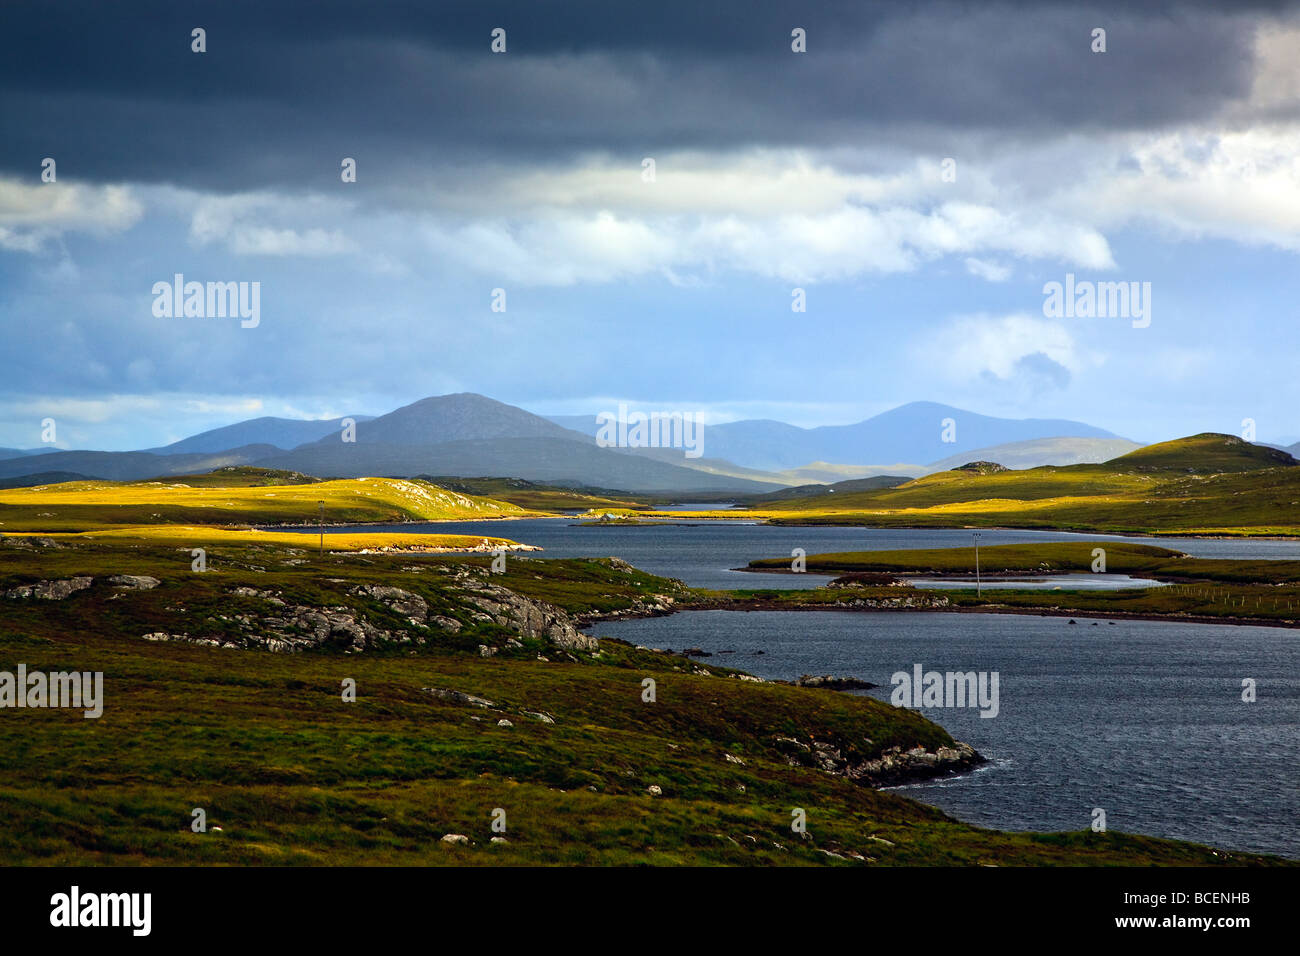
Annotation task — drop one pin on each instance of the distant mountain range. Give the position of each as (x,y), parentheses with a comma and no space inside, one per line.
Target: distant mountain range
(277,432)
(130,465)
(468,435)
(473,436)
(464,435)
(20,452)
(914,434)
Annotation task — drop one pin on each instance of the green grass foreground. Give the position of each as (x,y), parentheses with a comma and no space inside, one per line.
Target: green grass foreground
(291,774)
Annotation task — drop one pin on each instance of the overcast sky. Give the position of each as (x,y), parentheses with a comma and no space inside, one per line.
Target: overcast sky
(1172,158)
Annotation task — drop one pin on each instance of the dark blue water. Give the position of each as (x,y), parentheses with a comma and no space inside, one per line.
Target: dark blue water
(1142,719)
(703,553)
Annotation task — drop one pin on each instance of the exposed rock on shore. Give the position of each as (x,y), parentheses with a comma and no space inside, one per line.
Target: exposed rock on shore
(893,766)
(868,579)
(828,682)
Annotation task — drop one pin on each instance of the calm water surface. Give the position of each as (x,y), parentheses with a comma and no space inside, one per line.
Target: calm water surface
(1143,719)
(703,554)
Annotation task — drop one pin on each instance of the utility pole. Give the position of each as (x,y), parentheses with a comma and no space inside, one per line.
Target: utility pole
(976,536)
(322,527)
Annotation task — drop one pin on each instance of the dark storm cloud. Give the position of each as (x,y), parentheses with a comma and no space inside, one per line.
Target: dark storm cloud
(113,92)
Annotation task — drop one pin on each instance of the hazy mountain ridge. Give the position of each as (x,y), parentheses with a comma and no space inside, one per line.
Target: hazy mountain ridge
(133,465)
(1043,451)
(463,416)
(24,452)
(911,433)
(553,460)
(286,433)
(43,478)
(471,435)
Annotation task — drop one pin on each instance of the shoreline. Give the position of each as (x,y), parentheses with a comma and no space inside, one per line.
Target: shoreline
(739,518)
(1217,536)
(766,604)
(289,525)
(953,575)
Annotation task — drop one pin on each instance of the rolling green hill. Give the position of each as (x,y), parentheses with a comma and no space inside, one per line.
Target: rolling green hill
(1206,454)
(1206,483)
(533,495)
(242,497)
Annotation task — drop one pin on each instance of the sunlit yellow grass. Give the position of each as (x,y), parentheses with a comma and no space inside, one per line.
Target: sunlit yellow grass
(87,505)
(415,495)
(203,535)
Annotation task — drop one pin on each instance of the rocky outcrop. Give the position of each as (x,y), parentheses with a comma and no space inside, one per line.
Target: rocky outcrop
(50,590)
(868,579)
(29,544)
(462,699)
(283,627)
(916,601)
(652,605)
(896,765)
(164,637)
(136,582)
(891,767)
(827,682)
(401,602)
(338,627)
(456,697)
(526,616)
(850,599)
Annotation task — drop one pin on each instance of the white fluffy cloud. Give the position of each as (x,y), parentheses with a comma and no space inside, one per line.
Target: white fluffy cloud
(560,248)
(33,213)
(267,225)
(989,271)
(1243,186)
(971,348)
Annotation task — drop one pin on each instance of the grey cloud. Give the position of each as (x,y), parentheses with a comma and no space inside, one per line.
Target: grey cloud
(1037,373)
(285,91)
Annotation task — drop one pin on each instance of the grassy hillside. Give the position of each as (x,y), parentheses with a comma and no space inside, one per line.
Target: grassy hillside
(291,774)
(847,487)
(240,476)
(533,495)
(1204,484)
(1206,454)
(241,497)
(194,536)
